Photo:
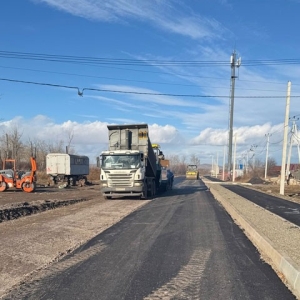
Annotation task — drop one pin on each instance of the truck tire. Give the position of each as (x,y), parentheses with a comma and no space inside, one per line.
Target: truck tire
(154,189)
(144,195)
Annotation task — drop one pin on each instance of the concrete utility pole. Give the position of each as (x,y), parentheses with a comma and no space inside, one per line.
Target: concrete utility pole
(217,165)
(294,134)
(285,137)
(267,154)
(223,173)
(253,147)
(234,154)
(233,64)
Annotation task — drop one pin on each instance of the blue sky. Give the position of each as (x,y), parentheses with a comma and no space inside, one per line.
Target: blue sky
(149,48)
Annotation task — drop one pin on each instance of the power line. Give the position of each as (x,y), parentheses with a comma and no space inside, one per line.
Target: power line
(138,62)
(80,91)
(105,77)
(135,80)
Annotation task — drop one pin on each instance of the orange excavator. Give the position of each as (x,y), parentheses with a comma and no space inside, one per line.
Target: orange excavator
(11,178)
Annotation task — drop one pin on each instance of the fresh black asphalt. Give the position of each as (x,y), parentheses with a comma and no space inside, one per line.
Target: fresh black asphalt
(286,209)
(182,245)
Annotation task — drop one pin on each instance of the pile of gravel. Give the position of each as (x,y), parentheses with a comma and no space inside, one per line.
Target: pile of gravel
(256,180)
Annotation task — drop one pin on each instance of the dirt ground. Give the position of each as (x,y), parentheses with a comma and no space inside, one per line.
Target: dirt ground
(15,203)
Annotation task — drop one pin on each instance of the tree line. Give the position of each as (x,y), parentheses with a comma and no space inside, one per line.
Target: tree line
(12,146)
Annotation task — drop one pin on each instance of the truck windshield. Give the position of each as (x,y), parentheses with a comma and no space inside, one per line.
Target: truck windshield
(120,161)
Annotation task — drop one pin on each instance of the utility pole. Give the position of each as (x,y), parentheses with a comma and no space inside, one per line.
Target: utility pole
(267,154)
(212,165)
(223,173)
(285,137)
(253,147)
(292,139)
(217,165)
(234,63)
(234,154)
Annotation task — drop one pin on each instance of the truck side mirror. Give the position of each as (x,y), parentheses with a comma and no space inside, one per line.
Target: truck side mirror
(142,156)
(98,162)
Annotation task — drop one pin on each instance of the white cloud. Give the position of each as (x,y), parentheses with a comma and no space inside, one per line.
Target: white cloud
(164,134)
(89,138)
(245,135)
(160,13)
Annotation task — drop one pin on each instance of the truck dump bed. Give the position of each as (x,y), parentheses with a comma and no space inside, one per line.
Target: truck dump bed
(133,137)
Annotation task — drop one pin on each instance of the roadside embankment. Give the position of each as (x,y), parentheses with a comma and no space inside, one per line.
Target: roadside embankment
(276,239)
(16,203)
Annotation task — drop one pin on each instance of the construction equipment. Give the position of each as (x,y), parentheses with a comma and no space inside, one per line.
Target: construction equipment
(192,172)
(164,176)
(69,167)
(12,178)
(130,167)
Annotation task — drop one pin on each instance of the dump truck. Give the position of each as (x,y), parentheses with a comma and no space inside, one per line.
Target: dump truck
(164,175)
(10,177)
(67,167)
(192,172)
(130,166)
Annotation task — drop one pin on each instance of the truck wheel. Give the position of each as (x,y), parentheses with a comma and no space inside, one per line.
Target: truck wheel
(3,186)
(154,189)
(144,195)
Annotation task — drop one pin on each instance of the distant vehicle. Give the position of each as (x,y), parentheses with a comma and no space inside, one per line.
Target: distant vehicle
(130,166)
(69,167)
(12,178)
(164,174)
(192,172)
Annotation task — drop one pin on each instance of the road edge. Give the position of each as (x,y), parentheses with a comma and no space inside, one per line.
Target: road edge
(280,261)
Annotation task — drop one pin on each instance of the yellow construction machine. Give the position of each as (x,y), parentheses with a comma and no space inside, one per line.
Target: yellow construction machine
(192,172)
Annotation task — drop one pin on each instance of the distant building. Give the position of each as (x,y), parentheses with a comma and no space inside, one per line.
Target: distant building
(276,170)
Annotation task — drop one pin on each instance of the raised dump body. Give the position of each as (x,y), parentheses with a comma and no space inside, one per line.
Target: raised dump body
(70,167)
(192,172)
(128,167)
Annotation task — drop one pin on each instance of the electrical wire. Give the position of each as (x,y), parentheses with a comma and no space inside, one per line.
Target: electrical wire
(139,62)
(80,91)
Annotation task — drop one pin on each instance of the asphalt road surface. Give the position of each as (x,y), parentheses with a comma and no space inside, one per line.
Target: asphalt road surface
(285,209)
(182,245)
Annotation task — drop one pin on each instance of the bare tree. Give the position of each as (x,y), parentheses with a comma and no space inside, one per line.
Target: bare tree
(70,136)
(11,145)
(194,160)
(271,165)
(178,164)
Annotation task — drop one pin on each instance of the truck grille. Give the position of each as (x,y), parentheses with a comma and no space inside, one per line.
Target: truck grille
(120,180)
